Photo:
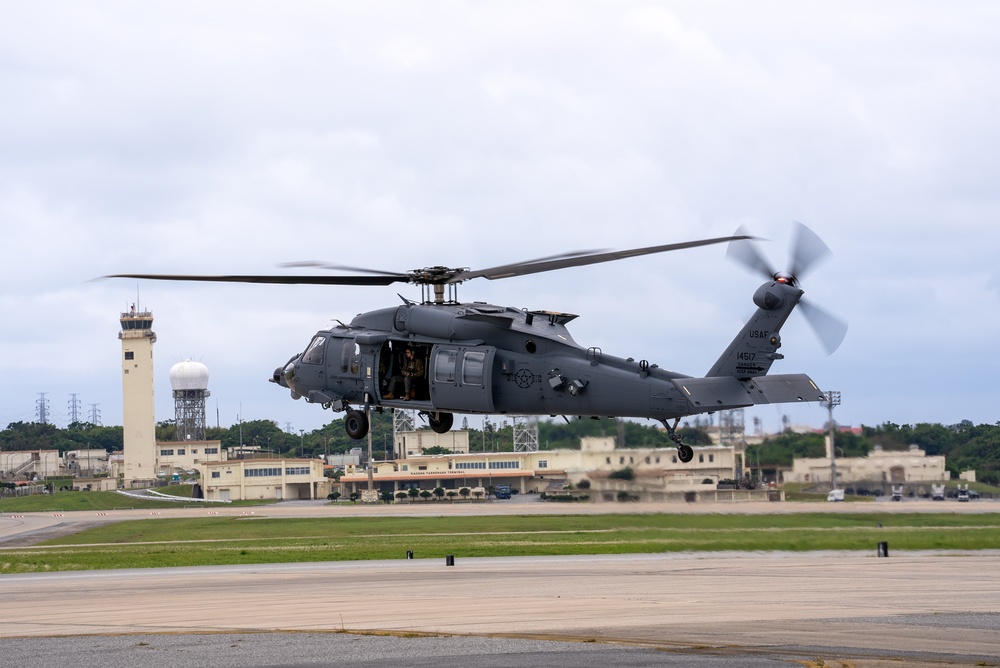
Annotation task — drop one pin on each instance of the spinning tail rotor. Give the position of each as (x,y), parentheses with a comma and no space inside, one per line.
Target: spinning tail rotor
(807,251)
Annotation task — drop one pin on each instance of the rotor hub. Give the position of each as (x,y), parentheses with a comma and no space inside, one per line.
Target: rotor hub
(786,279)
(437,275)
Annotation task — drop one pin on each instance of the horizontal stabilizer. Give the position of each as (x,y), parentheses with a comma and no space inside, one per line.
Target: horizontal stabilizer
(727,392)
(784,389)
(717,393)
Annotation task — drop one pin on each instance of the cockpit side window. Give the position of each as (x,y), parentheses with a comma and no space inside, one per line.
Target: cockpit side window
(314,351)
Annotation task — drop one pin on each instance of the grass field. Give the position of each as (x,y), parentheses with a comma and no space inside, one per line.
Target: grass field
(68,501)
(248,540)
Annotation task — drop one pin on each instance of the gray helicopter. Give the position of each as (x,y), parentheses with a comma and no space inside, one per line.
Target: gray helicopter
(441,356)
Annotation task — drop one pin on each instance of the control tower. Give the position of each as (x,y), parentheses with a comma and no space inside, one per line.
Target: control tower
(139,419)
(189,381)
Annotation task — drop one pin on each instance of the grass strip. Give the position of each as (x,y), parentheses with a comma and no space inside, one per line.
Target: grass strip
(239,540)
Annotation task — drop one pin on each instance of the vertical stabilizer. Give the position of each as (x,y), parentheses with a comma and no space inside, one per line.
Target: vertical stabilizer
(755,348)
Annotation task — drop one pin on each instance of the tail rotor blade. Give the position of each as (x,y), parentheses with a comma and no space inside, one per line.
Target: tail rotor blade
(807,250)
(830,329)
(745,252)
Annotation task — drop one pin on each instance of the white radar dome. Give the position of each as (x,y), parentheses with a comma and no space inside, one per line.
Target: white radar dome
(189,375)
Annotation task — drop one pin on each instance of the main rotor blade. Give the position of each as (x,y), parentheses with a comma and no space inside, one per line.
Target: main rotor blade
(830,329)
(341,267)
(744,251)
(281,280)
(580,259)
(807,250)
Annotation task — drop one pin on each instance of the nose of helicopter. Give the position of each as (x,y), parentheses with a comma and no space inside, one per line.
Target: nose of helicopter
(285,375)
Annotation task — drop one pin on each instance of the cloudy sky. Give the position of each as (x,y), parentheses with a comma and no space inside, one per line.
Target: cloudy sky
(228,137)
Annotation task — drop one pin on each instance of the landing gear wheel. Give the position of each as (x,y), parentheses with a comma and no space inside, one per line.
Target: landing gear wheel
(356,424)
(685,453)
(440,422)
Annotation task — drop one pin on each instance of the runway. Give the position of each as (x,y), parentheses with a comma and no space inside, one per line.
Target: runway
(849,604)
(932,608)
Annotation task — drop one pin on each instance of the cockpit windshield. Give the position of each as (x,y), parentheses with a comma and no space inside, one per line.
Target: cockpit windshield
(314,351)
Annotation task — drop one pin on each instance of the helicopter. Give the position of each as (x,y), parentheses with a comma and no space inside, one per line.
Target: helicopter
(443,357)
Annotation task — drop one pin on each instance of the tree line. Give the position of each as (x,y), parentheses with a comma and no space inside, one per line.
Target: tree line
(964,445)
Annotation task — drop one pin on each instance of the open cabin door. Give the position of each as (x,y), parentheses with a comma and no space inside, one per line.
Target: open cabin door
(461,378)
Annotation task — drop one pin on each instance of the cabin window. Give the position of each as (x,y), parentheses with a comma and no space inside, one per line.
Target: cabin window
(314,352)
(472,367)
(444,366)
(350,357)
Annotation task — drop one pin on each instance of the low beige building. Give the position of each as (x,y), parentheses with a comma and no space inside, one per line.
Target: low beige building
(272,479)
(86,463)
(29,464)
(413,443)
(174,457)
(882,466)
(657,473)
(106,484)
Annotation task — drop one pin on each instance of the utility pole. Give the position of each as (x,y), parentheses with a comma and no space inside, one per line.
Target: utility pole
(74,408)
(95,414)
(42,408)
(832,399)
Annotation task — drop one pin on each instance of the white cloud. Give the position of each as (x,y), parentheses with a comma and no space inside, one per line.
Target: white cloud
(230,137)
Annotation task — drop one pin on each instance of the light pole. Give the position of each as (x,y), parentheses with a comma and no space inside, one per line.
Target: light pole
(8,468)
(832,399)
(371,460)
